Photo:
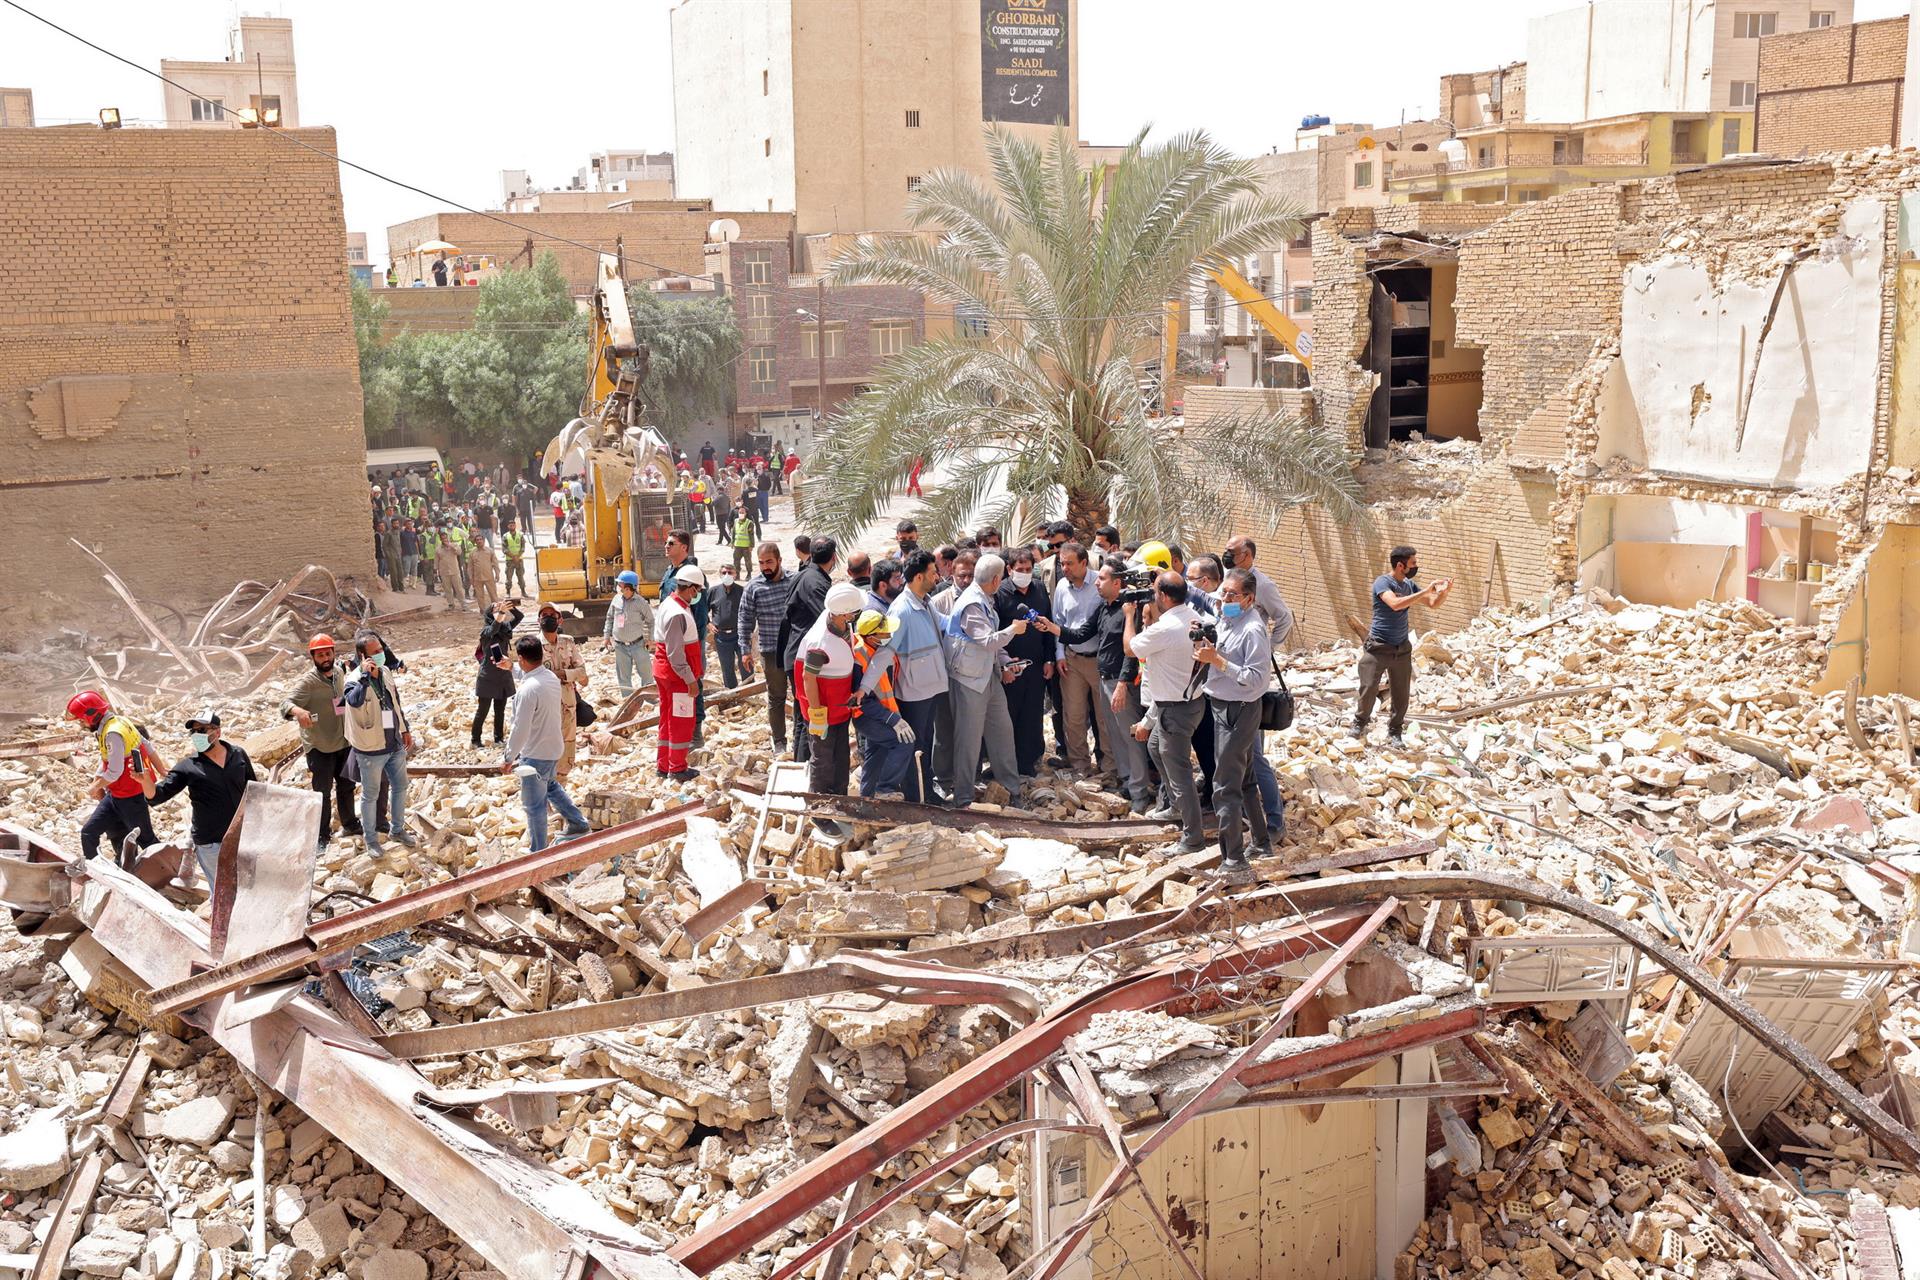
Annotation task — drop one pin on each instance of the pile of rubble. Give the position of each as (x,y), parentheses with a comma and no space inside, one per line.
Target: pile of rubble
(1672,767)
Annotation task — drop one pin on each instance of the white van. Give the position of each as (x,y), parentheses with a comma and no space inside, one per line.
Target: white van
(381,461)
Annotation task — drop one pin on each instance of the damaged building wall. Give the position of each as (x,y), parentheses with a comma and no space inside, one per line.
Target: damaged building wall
(179,385)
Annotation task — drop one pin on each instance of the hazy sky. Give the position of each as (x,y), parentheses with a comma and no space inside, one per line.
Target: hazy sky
(444,96)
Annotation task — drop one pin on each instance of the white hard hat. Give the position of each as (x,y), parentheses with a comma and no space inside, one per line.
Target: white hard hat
(844,597)
(691,573)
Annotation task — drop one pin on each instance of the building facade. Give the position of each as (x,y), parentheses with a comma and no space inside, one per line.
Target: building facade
(1518,161)
(16,108)
(1619,57)
(837,111)
(657,242)
(257,73)
(784,319)
(198,420)
(1832,89)
(359,265)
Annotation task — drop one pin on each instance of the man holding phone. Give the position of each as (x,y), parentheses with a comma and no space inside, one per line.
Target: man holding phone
(1388,651)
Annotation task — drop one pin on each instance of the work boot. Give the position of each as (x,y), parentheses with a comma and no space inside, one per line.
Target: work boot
(1235,871)
(1358,729)
(1395,741)
(685,775)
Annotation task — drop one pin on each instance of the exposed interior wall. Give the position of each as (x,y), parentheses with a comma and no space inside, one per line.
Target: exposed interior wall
(1878,631)
(1689,344)
(1453,369)
(179,385)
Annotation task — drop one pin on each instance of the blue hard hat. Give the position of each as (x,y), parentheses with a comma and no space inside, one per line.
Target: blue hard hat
(628,578)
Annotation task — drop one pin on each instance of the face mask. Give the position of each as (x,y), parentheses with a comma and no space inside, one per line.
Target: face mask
(379,659)
(200,742)
(1413,570)
(1226,558)
(838,625)
(1020,578)
(1230,610)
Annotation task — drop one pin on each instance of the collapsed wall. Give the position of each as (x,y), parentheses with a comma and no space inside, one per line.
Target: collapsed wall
(179,384)
(1686,391)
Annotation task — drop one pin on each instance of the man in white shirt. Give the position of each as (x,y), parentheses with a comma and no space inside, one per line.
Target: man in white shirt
(536,743)
(1165,650)
(1075,600)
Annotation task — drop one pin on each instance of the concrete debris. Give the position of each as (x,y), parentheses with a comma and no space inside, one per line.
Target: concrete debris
(1696,764)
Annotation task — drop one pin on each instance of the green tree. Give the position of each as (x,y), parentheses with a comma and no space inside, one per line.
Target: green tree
(692,342)
(516,377)
(377,376)
(1043,413)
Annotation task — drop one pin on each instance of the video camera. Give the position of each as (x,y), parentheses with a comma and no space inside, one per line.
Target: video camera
(1137,585)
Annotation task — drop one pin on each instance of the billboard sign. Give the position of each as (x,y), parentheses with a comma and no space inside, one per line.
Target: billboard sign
(1023,61)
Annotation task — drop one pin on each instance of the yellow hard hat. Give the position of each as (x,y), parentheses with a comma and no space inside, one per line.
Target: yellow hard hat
(1154,555)
(874,623)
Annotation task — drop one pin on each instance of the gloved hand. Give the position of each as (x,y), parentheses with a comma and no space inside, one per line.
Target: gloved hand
(903,731)
(817,722)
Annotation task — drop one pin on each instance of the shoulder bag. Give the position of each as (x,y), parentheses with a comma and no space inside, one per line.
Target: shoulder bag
(1276,705)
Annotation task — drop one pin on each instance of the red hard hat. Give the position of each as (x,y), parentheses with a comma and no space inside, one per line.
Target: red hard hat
(87,707)
(321,641)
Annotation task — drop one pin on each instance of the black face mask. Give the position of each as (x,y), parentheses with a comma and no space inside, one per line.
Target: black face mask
(1413,571)
(1226,558)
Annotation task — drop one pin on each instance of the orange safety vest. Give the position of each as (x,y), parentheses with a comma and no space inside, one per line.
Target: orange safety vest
(884,689)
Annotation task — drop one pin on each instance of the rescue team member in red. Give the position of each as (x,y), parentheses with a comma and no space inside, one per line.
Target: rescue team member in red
(823,678)
(677,668)
(125,782)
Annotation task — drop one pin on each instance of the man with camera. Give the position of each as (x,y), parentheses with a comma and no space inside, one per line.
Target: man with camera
(1388,651)
(1240,657)
(1172,688)
(1101,635)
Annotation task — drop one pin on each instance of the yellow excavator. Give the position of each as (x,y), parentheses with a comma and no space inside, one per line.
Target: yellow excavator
(620,461)
(1257,304)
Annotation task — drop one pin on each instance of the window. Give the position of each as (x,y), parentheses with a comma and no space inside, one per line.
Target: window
(1740,93)
(1483,156)
(263,105)
(207,109)
(760,369)
(1302,298)
(970,322)
(1729,137)
(913,119)
(1751,26)
(1527,197)
(760,317)
(836,340)
(1819,18)
(1363,175)
(913,182)
(1568,148)
(889,337)
(759,266)
(763,84)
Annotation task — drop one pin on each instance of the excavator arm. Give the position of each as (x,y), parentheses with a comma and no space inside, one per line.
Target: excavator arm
(1263,309)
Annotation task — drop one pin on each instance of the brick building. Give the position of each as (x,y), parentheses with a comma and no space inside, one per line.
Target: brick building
(1617,417)
(1833,89)
(777,378)
(672,235)
(179,386)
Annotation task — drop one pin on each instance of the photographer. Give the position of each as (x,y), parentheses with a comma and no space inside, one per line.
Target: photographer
(1388,650)
(493,685)
(1172,687)
(1030,658)
(1240,658)
(380,736)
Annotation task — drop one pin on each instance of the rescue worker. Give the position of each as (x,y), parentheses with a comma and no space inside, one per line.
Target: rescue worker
(458,546)
(563,658)
(514,544)
(215,777)
(124,782)
(743,535)
(395,559)
(678,664)
(886,739)
(315,704)
(629,632)
(429,554)
(823,680)
(485,567)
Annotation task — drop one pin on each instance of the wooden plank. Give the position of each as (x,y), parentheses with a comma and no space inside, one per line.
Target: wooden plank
(84,1182)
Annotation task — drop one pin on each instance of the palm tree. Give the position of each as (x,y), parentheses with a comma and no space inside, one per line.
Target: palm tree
(1043,413)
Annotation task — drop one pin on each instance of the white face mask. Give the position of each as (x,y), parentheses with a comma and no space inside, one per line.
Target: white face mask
(1020,578)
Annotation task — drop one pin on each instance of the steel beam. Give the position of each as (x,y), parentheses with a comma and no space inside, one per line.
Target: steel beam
(343,933)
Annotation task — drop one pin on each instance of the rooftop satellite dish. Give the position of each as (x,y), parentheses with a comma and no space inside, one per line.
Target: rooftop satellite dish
(723,231)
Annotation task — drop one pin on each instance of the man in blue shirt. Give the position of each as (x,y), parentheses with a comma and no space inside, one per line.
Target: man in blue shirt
(1387,651)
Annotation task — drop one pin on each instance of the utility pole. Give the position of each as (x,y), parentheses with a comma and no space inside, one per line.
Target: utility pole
(820,342)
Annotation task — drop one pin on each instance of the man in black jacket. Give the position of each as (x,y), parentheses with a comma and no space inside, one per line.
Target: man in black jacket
(1108,626)
(214,776)
(724,599)
(804,606)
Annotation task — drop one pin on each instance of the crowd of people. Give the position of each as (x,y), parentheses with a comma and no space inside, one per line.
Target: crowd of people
(1124,661)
